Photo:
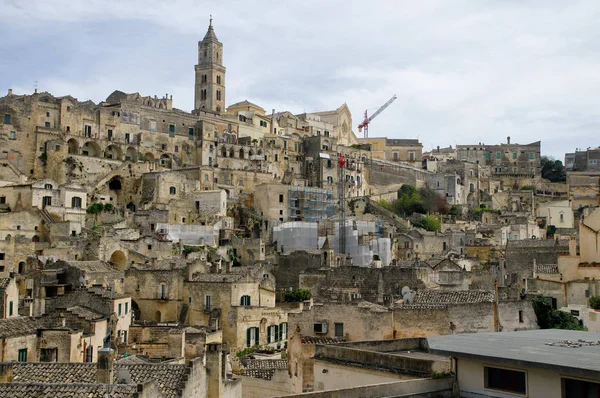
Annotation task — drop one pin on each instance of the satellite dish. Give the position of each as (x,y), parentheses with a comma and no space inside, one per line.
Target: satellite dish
(408,298)
(405,290)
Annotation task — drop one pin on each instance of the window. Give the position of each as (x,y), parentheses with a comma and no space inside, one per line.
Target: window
(218,95)
(22,355)
(176,148)
(505,380)
(252,337)
(531,155)
(126,308)
(562,217)
(76,202)
(339,329)
(272,334)
(120,309)
(149,247)
(395,156)
(163,147)
(172,190)
(593,161)
(68,129)
(283,331)
(89,353)
(580,388)
(127,138)
(7,119)
(47,125)
(207,303)
(171,130)
(87,130)
(411,156)
(12,136)
(514,155)
(47,114)
(498,155)
(152,126)
(2,200)
(320,327)
(191,133)
(280,198)
(245,300)
(163,291)
(218,79)
(110,135)
(521,316)
(125,336)
(487,155)
(205,177)
(10,308)
(204,77)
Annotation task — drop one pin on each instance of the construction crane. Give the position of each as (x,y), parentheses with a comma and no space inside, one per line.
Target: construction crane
(365,123)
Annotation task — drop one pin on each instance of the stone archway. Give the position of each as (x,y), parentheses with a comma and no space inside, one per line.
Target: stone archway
(131,154)
(113,152)
(73,146)
(91,148)
(118,259)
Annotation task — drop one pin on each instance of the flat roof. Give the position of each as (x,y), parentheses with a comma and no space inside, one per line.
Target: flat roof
(568,351)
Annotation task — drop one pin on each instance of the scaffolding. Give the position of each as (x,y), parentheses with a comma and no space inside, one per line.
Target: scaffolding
(310,204)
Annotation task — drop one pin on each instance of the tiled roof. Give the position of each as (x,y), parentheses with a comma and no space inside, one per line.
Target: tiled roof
(19,326)
(85,313)
(70,390)
(106,293)
(47,372)
(216,278)
(537,243)
(322,340)
(131,360)
(423,306)
(546,268)
(263,368)
(266,364)
(170,378)
(4,283)
(453,297)
(265,374)
(402,142)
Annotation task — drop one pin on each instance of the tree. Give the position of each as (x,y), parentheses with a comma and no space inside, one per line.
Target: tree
(296,296)
(431,223)
(595,302)
(552,169)
(549,318)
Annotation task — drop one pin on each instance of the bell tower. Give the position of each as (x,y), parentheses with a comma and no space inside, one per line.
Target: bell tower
(209,94)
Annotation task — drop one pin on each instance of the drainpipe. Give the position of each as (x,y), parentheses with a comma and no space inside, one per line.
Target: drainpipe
(495,306)
(455,387)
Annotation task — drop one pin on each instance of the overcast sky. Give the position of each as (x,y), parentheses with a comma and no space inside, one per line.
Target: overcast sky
(464,71)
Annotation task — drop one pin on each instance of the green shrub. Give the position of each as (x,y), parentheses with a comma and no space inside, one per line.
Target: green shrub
(595,302)
(549,318)
(108,207)
(297,296)
(95,208)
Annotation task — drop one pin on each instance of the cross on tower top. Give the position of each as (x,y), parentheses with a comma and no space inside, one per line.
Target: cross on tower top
(210,19)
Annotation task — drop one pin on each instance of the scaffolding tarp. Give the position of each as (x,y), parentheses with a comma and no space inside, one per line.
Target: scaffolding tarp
(300,235)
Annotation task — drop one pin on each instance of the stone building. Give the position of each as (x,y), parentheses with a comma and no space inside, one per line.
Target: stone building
(513,165)
(395,150)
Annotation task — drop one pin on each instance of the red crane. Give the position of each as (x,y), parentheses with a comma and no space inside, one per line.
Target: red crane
(365,123)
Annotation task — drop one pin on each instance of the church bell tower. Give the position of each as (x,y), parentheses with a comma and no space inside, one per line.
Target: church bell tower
(209,94)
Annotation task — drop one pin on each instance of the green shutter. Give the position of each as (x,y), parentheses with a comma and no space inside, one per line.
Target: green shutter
(277,338)
(248,337)
(269,334)
(280,331)
(257,336)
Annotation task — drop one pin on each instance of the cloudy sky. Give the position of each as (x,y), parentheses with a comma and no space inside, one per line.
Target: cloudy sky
(464,71)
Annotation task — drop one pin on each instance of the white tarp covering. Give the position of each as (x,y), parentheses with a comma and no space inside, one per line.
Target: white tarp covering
(191,234)
(304,235)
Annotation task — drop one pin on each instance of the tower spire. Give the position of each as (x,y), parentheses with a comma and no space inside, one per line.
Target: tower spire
(210,23)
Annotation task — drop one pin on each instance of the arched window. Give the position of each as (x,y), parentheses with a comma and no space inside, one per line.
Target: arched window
(172,190)
(245,300)
(162,290)
(241,153)
(48,186)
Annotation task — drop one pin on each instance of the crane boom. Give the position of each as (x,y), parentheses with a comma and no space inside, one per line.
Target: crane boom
(365,123)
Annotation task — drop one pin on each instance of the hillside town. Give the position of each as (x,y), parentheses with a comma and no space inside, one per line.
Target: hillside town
(236,251)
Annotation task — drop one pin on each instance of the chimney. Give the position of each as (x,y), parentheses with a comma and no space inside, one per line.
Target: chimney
(508,140)
(6,373)
(214,368)
(105,366)
(573,247)
(10,91)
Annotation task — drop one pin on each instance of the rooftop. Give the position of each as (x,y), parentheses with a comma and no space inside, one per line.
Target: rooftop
(453,297)
(567,351)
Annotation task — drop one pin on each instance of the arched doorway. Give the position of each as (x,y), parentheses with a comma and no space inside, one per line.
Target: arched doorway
(73,146)
(91,148)
(113,152)
(148,157)
(119,260)
(131,154)
(157,316)
(115,184)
